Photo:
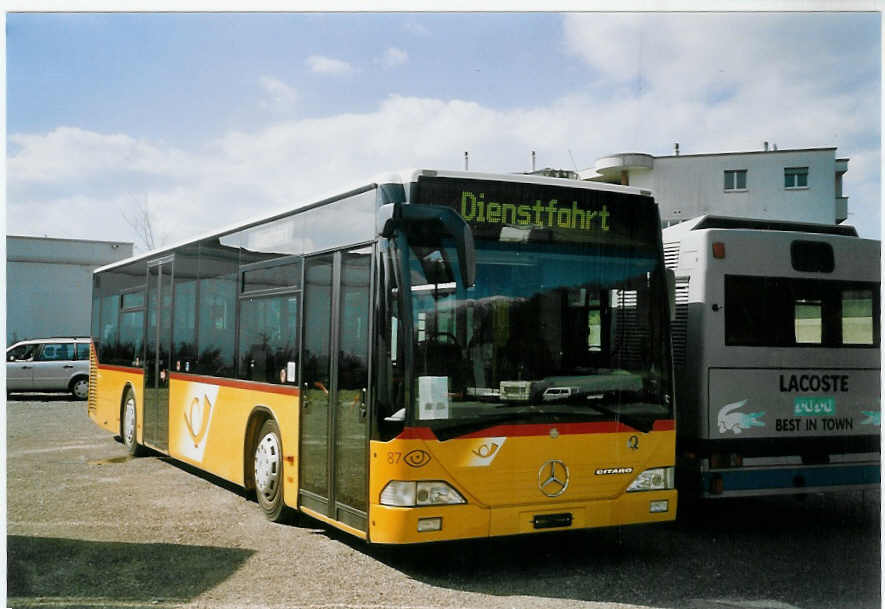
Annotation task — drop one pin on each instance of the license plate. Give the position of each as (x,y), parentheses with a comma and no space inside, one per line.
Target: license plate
(552,521)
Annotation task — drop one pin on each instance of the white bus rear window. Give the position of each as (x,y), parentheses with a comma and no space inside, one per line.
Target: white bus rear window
(857,317)
(783,312)
(807,321)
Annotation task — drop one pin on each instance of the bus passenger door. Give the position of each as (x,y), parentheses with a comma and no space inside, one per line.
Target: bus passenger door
(350,456)
(158,349)
(316,384)
(334,423)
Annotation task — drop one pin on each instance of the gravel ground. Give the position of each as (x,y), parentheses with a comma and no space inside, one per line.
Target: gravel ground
(90,527)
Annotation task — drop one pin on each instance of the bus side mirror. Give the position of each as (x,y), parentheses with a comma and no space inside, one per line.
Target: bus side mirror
(671,292)
(385,225)
(393,216)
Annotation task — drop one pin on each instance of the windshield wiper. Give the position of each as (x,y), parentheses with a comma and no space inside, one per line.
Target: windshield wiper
(575,405)
(596,401)
(457,428)
(641,423)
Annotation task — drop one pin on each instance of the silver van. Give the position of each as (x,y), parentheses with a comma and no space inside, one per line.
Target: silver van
(49,364)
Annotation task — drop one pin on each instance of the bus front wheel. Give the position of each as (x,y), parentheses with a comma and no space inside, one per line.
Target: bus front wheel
(128,424)
(268,468)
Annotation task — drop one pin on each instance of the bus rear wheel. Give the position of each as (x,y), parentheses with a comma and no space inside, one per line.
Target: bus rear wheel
(268,469)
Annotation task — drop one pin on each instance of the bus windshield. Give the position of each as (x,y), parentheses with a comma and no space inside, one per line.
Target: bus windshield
(548,332)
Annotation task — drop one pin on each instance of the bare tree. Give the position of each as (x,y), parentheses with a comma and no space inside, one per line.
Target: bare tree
(141,220)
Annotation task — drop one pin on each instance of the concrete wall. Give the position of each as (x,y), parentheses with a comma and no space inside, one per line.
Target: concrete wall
(49,284)
(688,186)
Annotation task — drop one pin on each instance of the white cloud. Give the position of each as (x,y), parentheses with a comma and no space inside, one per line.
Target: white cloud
(248,174)
(416,29)
(710,57)
(394,57)
(66,217)
(719,82)
(695,89)
(279,95)
(327,65)
(70,153)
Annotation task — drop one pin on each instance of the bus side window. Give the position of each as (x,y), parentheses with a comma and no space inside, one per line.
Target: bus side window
(268,338)
(217,290)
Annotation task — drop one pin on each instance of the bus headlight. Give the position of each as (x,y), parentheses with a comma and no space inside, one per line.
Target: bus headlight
(403,493)
(656,479)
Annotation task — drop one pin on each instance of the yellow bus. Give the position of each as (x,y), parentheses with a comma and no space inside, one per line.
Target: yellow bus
(435,355)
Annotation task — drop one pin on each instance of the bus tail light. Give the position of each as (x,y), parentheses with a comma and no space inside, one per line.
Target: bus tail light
(723,460)
(718,250)
(406,493)
(656,479)
(717,485)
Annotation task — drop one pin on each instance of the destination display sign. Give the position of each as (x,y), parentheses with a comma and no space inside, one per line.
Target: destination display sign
(542,212)
(754,403)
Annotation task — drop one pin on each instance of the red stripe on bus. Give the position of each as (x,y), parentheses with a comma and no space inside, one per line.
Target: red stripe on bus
(129,369)
(235,384)
(665,425)
(544,429)
(417,433)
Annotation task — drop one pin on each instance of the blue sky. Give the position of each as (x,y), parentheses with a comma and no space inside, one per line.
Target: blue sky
(186,77)
(210,119)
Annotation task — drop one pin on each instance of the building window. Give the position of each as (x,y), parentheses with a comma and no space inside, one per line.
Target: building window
(796,177)
(735,179)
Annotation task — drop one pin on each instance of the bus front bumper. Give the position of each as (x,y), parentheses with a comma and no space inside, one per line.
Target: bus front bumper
(788,480)
(395,525)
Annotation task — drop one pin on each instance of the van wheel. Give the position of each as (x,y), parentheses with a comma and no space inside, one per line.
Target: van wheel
(268,467)
(80,387)
(128,422)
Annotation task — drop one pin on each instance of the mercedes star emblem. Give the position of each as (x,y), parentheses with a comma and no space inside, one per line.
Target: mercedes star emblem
(553,478)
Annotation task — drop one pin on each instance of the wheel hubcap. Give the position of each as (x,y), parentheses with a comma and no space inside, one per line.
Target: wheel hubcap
(129,421)
(267,465)
(81,388)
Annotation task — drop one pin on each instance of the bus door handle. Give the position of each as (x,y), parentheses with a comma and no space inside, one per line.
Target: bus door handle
(363,409)
(305,401)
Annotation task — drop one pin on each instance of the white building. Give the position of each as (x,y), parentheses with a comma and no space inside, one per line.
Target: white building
(803,185)
(49,284)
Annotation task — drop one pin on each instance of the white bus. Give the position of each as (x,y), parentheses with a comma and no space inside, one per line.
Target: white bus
(776,356)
